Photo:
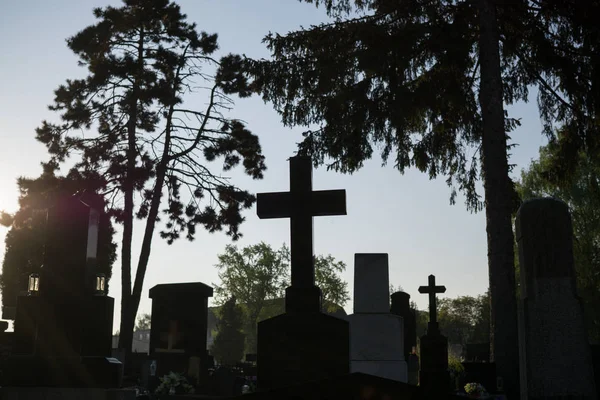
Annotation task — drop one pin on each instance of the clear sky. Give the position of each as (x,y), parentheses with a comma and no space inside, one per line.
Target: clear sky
(407,216)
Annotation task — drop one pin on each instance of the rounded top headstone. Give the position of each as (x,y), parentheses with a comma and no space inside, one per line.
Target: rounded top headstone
(545,236)
(400,302)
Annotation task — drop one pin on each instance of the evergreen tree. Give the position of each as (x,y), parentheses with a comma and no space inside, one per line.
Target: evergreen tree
(228,347)
(141,142)
(24,242)
(425,82)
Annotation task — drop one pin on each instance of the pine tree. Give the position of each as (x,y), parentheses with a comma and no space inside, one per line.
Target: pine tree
(425,82)
(228,347)
(142,142)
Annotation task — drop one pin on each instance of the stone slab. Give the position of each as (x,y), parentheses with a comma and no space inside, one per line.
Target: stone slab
(301,347)
(376,337)
(371,283)
(51,393)
(394,370)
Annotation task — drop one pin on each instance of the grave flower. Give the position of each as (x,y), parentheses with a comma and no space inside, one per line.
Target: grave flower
(174,383)
(474,389)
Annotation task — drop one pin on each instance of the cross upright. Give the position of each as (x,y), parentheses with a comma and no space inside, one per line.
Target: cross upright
(432,290)
(301,204)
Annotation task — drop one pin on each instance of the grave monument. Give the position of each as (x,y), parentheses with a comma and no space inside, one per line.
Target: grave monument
(303,344)
(433,376)
(63,327)
(555,357)
(178,329)
(376,335)
(401,307)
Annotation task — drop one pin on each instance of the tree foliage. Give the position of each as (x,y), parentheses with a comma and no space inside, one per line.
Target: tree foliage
(143,322)
(465,319)
(142,143)
(228,346)
(257,276)
(581,192)
(26,238)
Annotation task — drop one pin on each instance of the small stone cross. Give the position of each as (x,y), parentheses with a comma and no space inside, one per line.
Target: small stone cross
(432,290)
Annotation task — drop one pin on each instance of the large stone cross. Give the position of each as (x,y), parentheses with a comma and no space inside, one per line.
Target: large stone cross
(301,204)
(432,290)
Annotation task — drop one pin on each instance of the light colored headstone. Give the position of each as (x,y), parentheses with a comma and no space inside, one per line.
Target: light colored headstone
(376,335)
(555,357)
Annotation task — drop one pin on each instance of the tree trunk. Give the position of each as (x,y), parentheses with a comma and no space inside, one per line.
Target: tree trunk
(504,349)
(127,319)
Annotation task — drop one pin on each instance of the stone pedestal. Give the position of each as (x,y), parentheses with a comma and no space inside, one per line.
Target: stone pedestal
(376,335)
(295,348)
(433,376)
(555,357)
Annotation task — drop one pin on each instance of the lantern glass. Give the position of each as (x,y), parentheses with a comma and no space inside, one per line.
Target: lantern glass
(34,284)
(100,283)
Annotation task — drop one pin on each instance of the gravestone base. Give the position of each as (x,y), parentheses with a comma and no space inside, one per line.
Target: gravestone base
(394,370)
(45,393)
(434,377)
(301,347)
(81,372)
(68,331)
(376,346)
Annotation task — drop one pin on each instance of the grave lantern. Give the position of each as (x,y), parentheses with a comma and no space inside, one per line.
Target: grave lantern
(100,284)
(34,284)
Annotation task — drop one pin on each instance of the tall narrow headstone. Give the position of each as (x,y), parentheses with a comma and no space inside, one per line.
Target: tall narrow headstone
(376,345)
(303,344)
(555,357)
(433,376)
(401,307)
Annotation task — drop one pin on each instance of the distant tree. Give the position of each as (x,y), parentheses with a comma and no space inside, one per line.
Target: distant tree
(145,146)
(253,275)
(581,191)
(257,275)
(465,319)
(334,289)
(425,82)
(143,322)
(228,346)
(394,289)
(25,240)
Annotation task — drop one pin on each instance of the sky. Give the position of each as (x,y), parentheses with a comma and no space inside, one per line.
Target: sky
(405,215)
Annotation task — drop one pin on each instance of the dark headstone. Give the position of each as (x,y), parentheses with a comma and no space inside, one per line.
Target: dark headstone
(401,307)
(477,352)
(433,376)
(484,373)
(63,331)
(179,327)
(555,355)
(302,344)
